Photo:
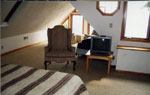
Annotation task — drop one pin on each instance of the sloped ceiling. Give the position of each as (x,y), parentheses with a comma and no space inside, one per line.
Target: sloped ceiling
(5,10)
(36,16)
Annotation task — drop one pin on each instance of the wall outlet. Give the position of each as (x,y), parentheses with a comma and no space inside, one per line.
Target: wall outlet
(110,25)
(25,38)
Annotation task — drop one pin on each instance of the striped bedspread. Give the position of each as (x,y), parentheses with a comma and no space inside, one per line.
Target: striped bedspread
(23,80)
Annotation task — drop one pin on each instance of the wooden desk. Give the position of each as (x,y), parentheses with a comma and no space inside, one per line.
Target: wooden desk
(107,58)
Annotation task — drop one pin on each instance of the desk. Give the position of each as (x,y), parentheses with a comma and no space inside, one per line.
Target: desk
(90,57)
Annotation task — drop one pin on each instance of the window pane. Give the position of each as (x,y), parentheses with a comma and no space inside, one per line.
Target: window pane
(108,6)
(137,19)
(77,24)
(91,29)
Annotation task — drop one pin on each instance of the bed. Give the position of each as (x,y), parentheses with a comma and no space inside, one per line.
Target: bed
(23,80)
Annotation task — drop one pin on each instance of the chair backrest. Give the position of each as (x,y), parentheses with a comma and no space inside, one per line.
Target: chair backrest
(59,38)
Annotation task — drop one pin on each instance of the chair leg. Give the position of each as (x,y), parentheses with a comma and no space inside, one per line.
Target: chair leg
(67,62)
(74,65)
(45,64)
(49,62)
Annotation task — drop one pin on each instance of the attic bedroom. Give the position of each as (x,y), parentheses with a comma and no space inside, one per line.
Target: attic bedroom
(75,47)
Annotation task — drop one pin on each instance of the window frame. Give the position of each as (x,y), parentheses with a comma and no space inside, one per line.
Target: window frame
(71,20)
(123,38)
(89,29)
(107,14)
(68,18)
(65,20)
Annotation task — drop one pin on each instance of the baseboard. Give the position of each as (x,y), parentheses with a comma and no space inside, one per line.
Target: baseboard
(21,48)
(131,72)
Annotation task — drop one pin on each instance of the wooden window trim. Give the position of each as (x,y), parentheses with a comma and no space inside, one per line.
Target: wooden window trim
(65,20)
(88,29)
(107,14)
(76,13)
(123,28)
(73,13)
(69,18)
(83,25)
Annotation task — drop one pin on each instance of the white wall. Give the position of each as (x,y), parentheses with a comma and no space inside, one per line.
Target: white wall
(14,42)
(101,24)
(135,61)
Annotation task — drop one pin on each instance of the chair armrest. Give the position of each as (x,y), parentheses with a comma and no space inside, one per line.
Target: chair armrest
(46,49)
(72,49)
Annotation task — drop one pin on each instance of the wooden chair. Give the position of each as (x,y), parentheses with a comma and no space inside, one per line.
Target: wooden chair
(59,46)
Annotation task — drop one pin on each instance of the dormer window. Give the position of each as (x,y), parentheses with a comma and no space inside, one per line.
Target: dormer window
(136,21)
(108,8)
